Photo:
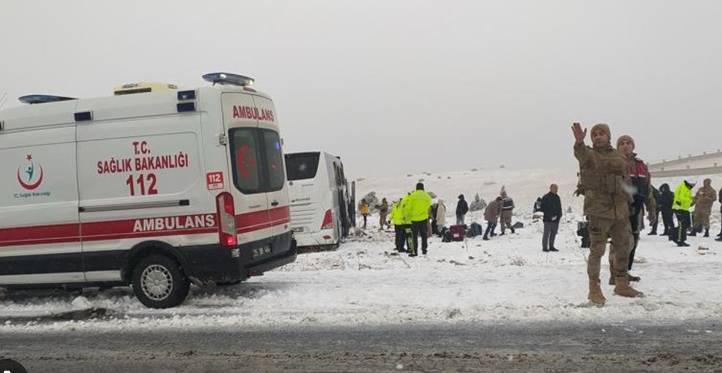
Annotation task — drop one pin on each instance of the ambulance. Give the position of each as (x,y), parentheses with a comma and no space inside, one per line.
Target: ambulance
(320,199)
(155,187)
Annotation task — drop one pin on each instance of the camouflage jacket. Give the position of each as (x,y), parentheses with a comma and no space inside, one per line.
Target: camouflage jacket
(604,181)
(704,199)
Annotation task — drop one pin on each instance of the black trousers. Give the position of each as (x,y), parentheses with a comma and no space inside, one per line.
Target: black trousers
(400,237)
(683,221)
(668,220)
(420,228)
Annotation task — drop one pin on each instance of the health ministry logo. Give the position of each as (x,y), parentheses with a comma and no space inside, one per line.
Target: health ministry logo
(29,176)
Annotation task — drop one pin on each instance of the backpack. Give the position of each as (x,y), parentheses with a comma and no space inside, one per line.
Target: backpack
(475,230)
(445,235)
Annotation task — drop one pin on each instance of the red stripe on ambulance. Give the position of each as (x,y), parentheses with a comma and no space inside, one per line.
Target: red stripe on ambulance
(142,227)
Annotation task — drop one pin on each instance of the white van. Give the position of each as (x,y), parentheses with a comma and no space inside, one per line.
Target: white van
(154,188)
(319,198)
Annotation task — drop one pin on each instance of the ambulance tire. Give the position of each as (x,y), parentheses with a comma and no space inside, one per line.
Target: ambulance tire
(159,282)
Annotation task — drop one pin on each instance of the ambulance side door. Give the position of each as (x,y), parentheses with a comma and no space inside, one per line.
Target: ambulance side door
(39,231)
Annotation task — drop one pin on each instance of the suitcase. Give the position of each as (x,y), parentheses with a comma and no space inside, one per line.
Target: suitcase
(457,232)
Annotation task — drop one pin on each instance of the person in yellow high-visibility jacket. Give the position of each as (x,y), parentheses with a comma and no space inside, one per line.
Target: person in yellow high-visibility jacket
(682,202)
(397,218)
(416,210)
(363,208)
(405,223)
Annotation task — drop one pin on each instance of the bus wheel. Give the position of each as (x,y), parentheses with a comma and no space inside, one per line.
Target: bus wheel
(158,282)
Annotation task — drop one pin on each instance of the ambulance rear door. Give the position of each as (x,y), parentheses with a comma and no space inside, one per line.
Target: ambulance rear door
(278,199)
(246,163)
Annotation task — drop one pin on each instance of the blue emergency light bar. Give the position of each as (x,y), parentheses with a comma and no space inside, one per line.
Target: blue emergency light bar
(43,99)
(228,79)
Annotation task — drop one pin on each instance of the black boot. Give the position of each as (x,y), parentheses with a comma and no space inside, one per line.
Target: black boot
(706,232)
(652,233)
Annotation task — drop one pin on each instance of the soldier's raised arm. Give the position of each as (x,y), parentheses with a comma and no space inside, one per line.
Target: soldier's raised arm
(580,149)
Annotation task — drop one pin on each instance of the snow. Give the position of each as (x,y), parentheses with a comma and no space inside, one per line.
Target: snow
(505,280)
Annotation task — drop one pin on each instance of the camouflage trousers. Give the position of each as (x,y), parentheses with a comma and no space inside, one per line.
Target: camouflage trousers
(701,219)
(601,229)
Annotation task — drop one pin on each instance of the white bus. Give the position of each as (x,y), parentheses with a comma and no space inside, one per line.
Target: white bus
(320,199)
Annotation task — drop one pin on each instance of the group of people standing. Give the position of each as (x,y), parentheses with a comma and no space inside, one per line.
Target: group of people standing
(617,187)
(414,216)
(410,215)
(677,205)
(500,209)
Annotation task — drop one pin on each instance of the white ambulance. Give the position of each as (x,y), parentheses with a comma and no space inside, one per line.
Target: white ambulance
(320,199)
(153,187)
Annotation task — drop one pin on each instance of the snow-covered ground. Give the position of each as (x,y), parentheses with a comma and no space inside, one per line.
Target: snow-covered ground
(505,280)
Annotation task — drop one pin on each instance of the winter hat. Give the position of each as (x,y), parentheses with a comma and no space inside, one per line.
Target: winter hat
(602,127)
(626,138)
(461,196)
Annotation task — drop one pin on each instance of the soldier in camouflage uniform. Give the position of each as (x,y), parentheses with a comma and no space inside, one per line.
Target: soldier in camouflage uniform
(605,185)
(642,196)
(703,201)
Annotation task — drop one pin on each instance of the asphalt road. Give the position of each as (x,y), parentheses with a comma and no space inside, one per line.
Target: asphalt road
(692,347)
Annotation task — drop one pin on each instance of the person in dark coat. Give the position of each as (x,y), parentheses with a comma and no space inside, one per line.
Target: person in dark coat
(461,209)
(666,199)
(551,206)
(657,198)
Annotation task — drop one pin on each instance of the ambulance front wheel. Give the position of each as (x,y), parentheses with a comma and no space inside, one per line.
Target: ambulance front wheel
(159,282)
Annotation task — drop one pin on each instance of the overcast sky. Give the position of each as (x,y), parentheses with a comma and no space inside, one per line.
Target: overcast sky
(402,86)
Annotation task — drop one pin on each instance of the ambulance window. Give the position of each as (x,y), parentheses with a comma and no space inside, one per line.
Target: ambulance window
(244,158)
(274,157)
(301,166)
